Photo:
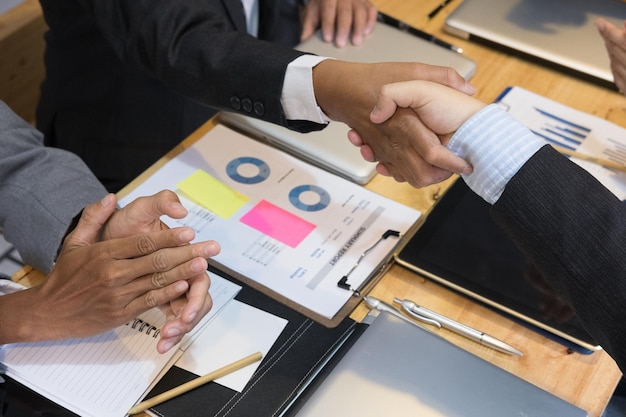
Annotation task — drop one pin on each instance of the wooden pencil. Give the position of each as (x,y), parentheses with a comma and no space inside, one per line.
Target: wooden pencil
(599,161)
(195,383)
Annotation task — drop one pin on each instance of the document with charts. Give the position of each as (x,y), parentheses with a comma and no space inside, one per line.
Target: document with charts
(573,129)
(281,222)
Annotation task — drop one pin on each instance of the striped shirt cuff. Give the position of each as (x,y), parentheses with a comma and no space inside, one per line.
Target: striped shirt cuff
(497,146)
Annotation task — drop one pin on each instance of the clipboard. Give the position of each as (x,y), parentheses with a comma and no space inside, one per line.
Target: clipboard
(341,315)
(327,246)
(357,292)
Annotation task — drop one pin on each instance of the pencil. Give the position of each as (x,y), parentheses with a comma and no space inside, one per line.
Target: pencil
(195,383)
(604,162)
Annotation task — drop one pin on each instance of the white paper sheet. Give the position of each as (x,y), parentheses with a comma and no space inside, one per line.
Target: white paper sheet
(238,331)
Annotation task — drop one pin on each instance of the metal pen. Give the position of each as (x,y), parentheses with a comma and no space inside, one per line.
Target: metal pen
(428,316)
(376,304)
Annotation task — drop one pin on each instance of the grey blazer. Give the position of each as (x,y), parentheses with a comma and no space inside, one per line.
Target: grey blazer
(41,190)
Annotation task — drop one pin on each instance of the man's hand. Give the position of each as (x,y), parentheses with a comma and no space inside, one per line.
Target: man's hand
(615,42)
(338,19)
(348,92)
(429,114)
(96,286)
(143,216)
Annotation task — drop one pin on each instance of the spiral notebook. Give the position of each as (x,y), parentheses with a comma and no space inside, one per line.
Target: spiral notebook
(106,374)
(297,353)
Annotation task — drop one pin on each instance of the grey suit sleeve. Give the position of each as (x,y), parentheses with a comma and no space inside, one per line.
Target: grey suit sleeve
(574,229)
(41,190)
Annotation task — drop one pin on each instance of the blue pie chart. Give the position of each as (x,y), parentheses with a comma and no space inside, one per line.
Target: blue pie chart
(296,200)
(261,170)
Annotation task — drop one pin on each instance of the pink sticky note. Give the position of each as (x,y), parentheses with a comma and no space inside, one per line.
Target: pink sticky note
(278,223)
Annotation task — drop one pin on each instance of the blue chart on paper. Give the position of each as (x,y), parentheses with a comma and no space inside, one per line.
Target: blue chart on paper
(560,131)
(322,203)
(261,174)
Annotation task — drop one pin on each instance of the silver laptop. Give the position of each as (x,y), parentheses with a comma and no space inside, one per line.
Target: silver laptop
(395,367)
(560,32)
(329,148)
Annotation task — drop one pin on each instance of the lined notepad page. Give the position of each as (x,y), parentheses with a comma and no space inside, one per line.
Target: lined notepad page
(100,376)
(107,374)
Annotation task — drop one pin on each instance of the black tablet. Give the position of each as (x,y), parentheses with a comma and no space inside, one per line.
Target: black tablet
(460,246)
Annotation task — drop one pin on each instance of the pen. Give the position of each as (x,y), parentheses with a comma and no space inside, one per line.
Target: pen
(437,9)
(599,161)
(421,313)
(195,383)
(419,33)
(376,304)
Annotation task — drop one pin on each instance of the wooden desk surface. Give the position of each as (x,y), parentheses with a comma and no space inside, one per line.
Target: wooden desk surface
(21,64)
(585,380)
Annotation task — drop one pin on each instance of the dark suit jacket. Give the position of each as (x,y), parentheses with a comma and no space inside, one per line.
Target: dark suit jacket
(575,230)
(127,80)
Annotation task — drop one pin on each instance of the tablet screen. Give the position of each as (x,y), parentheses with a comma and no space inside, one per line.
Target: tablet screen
(460,246)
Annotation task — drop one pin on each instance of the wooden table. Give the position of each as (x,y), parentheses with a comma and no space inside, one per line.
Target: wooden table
(585,380)
(21,57)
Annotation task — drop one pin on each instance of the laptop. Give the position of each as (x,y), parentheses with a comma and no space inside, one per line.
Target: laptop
(396,367)
(330,148)
(560,33)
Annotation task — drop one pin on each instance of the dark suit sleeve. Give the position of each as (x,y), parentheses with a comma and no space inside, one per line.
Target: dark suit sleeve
(575,231)
(191,47)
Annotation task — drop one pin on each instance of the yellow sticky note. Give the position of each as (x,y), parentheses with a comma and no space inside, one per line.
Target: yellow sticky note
(212,194)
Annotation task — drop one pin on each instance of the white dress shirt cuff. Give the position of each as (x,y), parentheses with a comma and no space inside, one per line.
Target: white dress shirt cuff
(298,96)
(497,146)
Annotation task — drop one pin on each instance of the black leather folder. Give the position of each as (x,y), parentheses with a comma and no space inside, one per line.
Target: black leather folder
(297,356)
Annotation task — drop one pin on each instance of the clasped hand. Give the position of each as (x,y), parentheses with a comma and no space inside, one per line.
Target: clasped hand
(114,266)
(427,115)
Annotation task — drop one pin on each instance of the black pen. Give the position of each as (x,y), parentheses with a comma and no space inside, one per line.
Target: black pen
(438,8)
(414,31)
